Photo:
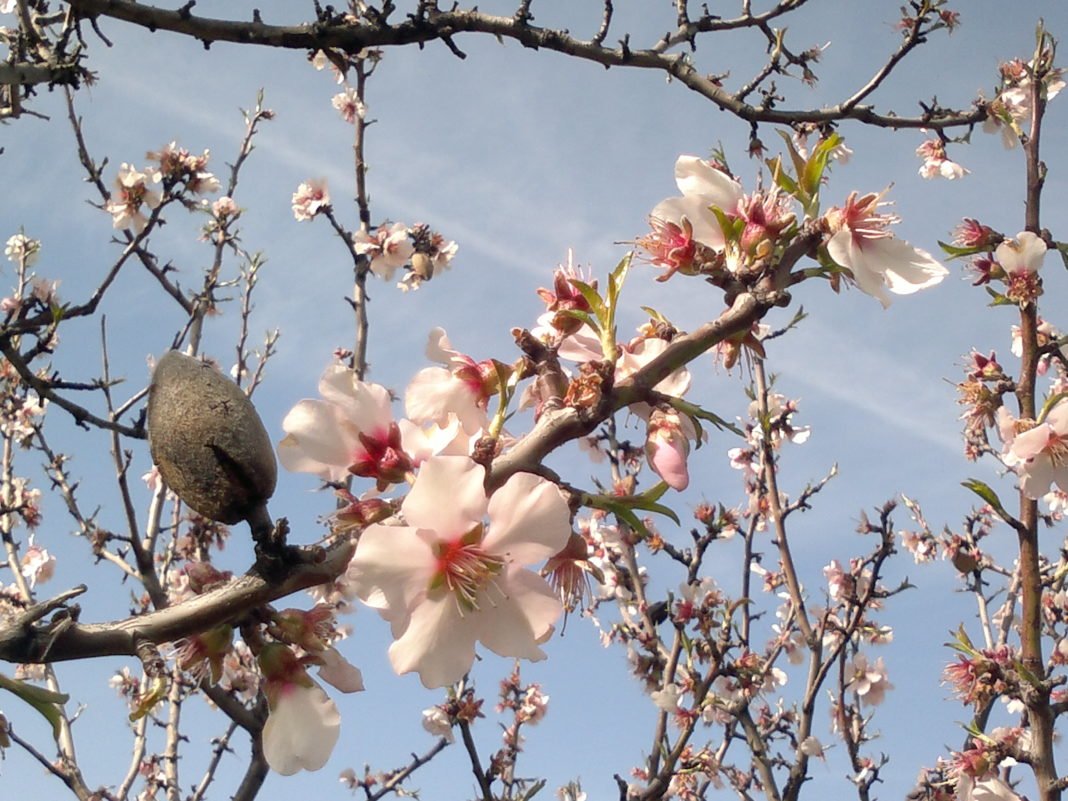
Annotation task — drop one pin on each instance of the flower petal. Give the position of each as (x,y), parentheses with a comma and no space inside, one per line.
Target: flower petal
(448,496)
(301,731)
(515,625)
(438,643)
(316,441)
(529,520)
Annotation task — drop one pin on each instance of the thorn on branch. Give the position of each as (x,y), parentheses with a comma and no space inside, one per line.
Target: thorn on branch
(449,43)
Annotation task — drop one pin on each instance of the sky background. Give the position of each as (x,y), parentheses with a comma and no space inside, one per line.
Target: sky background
(519,156)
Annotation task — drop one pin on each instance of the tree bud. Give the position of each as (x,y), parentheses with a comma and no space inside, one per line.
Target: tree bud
(207,440)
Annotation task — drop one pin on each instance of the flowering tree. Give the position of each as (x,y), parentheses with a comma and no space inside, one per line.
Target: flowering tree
(464,509)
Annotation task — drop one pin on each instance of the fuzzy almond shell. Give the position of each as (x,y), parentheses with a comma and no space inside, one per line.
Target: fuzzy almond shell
(207,440)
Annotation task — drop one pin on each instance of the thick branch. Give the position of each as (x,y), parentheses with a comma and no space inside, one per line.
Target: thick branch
(66,641)
(557,427)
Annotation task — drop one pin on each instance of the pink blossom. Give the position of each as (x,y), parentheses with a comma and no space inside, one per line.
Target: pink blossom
(667,446)
(703,185)
(349,432)
(349,105)
(178,164)
(388,247)
(311,198)
(224,207)
(444,581)
(936,164)
(131,192)
(436,722)
(860,241)
(303,724)
(38,565)
(1039,455)
(462,388)
(869,681)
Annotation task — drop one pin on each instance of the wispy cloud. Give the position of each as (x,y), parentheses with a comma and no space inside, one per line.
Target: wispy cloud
(869,379)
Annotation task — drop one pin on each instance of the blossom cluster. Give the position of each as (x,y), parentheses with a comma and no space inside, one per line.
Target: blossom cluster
(715,229)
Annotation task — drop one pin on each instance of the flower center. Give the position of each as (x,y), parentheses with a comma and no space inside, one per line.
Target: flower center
(464,569)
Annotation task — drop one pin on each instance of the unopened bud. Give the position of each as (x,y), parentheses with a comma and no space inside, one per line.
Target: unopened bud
(207,440)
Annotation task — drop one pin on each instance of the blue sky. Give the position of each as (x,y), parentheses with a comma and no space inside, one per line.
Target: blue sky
(519,156)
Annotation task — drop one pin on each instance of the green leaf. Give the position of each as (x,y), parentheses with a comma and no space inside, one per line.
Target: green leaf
(1062,248)
(782,178)
(998,298)
(697,413)
(583,316)
(45,701)
(812,176)
(616,279)
(655,315)
(795,156)
(988,495)
(955,252)
(592,298)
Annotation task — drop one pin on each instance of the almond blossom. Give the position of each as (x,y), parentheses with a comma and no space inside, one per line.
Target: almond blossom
(20,249)
(868,680)
(681,224)
(303,724)
(935,162)
(462,387)
(130,194)
(350,431)
(860,240)
(388,248)
(1039,454)
(349,105)
(311,198)
(446,581)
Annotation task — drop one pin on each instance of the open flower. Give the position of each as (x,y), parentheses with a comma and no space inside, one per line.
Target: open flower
(349,432)
(310,198)
(131,193)
(461,388)
(1039,455)
(860,241)
(681,224)
(446,581)
(388,247)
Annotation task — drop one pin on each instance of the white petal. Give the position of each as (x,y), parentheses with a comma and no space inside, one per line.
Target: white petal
(448,496)
(529,520)
(338,672)
(439,643)
(695,177)
(365,406)
(438,347)
(316,441)
(907,269)
(434,393)
(514,626)
(301,731)
(844,250)
(392,565)
(705,226)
